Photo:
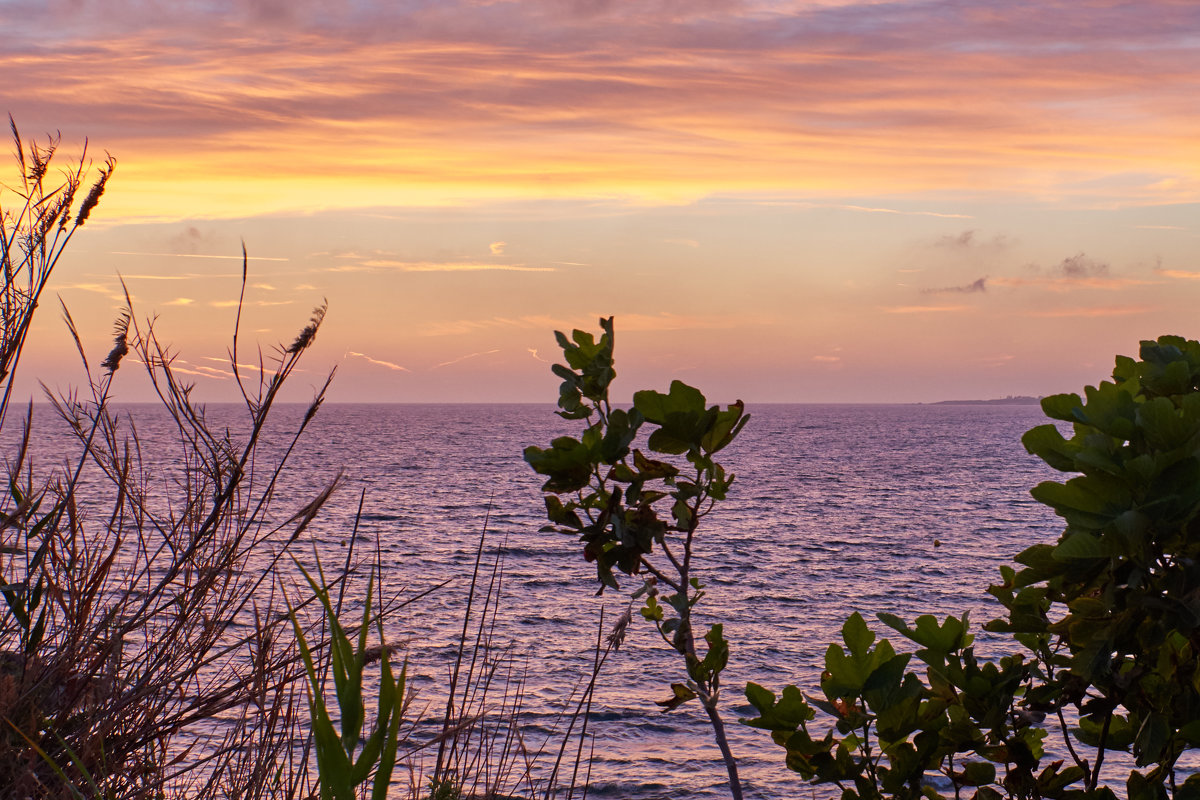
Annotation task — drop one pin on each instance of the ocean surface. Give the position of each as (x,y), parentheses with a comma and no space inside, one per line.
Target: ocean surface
(836,508)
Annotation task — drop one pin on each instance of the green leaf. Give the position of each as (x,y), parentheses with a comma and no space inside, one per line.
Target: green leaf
(1061,406)
(1162,425)
(680,694)
(650,470)
(1045,442)
(568,464)
(788,714)
(718,650)
(1079,545)
(979,773)
(1082,502)
(1151,739)
(929,634)
(725,428)
(857,635)
(680,399)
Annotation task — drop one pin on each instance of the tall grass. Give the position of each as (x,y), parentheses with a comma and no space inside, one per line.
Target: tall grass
(158,634)
(142,652)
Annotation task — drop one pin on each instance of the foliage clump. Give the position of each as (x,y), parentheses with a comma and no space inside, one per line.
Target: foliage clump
(1103,626)
(638,513)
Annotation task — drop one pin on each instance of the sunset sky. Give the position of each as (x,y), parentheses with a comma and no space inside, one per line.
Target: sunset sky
(805,200)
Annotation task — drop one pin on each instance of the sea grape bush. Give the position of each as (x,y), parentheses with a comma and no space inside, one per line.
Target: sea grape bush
(1104,626)
(638,514)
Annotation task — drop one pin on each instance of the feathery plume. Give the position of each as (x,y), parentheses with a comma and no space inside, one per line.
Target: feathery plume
(93,196)
(306,336)
(120,346)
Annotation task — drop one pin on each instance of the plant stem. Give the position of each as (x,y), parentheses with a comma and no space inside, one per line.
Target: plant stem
(718,726)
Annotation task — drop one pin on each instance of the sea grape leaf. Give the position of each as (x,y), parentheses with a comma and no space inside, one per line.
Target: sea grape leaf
(725,427)
(680,694)
(650,469)
(680,399)
(789,713)
(1045,442)
(567,464)
(1061,406)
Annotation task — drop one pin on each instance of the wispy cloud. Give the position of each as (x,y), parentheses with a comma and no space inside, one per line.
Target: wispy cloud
(497,248)
(810,204)
(193,255)
(181,276)
(225,361)
(437,266)
(182,367)
(1085,311)
(260,303)
(1080,266)
(1068,284)
(461,359)
(99,288)
(878,210)
(970,240)
(1181,274)
(1079,271)
(926,309)
(378,362)
(664,321)
(970,288)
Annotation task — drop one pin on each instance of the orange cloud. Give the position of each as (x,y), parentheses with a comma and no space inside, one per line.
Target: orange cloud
(1183,274)
(1108,311)
(454,102)
(451,266)
(1060,284)
(926,309)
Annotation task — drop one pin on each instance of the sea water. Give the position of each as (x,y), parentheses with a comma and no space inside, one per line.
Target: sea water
(906,509)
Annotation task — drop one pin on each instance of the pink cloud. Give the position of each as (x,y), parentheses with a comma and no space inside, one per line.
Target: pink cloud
(828,98)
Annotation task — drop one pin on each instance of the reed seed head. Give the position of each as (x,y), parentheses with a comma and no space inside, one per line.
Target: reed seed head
(93,195)
(120,344)
(617,637)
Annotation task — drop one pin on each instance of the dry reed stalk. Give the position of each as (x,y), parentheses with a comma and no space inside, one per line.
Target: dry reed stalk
(142,649)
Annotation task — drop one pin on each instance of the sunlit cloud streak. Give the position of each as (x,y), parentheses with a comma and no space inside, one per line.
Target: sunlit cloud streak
(378,362)
(434,266)
(183,276)
(1182,274)
(461,359)
(182,367)
(926,309)
(194,255)
(225,361)
(236,303)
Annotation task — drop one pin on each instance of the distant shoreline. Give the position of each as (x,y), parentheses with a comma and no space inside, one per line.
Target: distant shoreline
(1011,400)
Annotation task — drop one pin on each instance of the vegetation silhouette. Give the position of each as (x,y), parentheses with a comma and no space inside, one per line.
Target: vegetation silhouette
(1103,629)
